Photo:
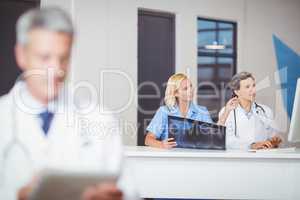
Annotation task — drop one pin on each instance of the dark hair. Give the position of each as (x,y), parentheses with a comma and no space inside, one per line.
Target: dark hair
(234,84)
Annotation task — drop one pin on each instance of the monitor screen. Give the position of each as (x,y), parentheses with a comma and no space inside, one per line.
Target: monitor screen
(294,133)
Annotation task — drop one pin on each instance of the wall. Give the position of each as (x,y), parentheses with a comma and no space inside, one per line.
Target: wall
(107,40)
(265,18)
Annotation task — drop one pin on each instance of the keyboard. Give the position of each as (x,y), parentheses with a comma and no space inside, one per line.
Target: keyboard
(279,150)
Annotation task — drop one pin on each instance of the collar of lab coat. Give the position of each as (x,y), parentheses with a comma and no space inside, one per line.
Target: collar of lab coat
(26,102)
(191,112)
(247,114)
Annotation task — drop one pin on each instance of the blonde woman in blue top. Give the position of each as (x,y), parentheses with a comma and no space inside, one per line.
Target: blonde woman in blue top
(178,102)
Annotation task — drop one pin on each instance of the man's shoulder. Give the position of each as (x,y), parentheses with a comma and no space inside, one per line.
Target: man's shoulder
(5,117)
(98,124)
(4,101)
(98,115)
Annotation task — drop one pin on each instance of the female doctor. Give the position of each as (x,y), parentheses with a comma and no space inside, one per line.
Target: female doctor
(249,125)
(178,102)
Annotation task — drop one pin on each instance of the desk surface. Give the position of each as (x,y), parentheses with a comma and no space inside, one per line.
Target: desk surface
(143,151)
(191,173)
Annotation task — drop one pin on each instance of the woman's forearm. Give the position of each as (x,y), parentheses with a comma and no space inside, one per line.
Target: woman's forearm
(151,140)
(223,118)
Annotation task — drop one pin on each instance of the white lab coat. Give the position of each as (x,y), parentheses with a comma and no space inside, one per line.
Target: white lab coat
(257,125)
(75,141)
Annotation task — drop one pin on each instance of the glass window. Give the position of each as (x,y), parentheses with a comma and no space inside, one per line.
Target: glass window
(206,24)
(206,60)
(226,25)
(216,62)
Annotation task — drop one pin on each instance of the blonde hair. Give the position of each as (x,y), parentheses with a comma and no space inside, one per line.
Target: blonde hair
(172,86)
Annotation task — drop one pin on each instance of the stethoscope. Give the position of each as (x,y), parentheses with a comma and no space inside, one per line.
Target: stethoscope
(259,109)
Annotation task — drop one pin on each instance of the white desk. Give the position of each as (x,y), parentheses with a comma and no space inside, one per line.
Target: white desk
(187,173)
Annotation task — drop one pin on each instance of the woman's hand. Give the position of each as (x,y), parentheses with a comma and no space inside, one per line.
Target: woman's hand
(276,140)
(168,143)
(24,192)
(104,191)
(272,143)
(231,104)
(262,145)
(151,140)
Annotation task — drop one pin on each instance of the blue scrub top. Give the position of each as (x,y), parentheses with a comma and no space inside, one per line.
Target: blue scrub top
(159,123)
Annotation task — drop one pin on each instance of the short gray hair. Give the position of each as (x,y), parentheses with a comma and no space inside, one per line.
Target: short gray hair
(234,84)
(48,18)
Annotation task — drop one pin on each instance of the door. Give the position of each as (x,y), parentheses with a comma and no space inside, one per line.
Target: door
(10,10)
(156,63)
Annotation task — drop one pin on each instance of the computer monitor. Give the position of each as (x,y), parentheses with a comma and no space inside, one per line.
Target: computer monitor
(294,132)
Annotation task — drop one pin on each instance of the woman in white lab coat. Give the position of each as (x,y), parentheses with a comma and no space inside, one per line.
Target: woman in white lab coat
(249,125)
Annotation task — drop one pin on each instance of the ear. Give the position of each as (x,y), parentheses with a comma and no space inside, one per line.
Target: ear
(236,92)
(176,93)
(20,56)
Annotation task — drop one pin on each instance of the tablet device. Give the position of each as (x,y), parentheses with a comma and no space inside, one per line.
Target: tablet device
(63,185)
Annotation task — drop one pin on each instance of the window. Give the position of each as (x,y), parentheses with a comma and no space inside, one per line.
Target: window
(216,62)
